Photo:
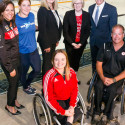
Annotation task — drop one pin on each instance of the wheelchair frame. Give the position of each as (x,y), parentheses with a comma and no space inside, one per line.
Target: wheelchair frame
(91,94)
(42,113)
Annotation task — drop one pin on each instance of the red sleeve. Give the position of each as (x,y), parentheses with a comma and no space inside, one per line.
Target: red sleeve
(74,93)
(49,96)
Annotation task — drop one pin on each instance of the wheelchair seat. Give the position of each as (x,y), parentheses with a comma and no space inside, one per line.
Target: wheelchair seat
(120,94)
(43,115)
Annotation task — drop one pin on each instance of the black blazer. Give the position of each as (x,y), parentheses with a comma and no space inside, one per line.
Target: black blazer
(49,33)
(70,27)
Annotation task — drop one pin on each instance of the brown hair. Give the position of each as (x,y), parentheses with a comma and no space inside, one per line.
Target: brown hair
(118,26)
(67,67)
(44,4)
(3,6)
(20,2)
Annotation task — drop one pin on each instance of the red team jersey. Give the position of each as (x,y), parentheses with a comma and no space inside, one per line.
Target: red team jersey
(56,87)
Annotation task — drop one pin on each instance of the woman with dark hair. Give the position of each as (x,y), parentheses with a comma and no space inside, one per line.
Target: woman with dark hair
(29,55)
(50,27)
(9,54)
(60,89)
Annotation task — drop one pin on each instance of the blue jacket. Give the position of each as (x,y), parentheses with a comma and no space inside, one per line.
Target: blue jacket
(102,32)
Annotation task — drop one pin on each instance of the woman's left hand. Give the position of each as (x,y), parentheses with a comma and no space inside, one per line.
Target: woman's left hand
(13,73)
(79,45)
(71,109)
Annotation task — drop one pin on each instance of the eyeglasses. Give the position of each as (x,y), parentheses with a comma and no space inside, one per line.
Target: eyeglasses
(77,4)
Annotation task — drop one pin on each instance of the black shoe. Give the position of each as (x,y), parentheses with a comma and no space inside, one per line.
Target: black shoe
(95,120)
(88,83)
(20,107)
(17,113)
(104,120)
(79,82)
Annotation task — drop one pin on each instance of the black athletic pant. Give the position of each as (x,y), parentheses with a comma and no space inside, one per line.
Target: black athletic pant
(110,95)
(65,105)
(13,83)
(74,55)
(47,65)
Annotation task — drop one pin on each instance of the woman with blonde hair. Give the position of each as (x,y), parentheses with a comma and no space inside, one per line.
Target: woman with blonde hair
(60,89)
(50,27)
(76,30)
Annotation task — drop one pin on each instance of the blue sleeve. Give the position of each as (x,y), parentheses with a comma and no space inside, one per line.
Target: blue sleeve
(113,18)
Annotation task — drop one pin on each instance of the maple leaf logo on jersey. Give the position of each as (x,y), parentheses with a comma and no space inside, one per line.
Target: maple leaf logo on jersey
(123,53)
(7,28)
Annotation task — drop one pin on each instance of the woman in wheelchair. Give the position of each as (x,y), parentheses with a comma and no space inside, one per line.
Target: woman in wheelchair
(110,67)
(60,89)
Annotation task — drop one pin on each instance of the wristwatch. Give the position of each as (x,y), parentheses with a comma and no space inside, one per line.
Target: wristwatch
(114,80)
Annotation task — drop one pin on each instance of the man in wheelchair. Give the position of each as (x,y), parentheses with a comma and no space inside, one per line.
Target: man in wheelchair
(110,67)
(60,88)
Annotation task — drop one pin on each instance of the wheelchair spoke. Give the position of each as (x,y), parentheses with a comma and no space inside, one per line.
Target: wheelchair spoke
(39,111)
(124,104)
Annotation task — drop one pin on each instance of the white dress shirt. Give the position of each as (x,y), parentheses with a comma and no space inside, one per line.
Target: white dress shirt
(56,16)
(100,10)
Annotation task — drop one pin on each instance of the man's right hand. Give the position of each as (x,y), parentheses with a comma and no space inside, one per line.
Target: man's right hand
(107,81)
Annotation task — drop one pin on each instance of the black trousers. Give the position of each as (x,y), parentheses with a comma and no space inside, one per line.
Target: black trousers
(13,83)
(74,55)
(47,65)
(65,105)
(94,52)
(110,93)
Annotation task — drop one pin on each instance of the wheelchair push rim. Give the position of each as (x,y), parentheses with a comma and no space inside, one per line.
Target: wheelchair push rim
(40,111)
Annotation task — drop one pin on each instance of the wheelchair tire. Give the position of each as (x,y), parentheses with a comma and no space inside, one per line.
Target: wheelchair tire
(41,111)
(91,87)
(82,107)
(123,102)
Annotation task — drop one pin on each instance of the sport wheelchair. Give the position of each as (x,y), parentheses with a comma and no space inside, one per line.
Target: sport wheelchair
(90,98)
(43,114)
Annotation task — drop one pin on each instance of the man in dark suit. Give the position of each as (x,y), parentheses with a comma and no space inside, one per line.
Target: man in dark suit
(103,18)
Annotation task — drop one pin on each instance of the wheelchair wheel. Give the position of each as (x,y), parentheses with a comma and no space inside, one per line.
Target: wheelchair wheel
(82,107)
(41,111)
(123,102)
(91,87)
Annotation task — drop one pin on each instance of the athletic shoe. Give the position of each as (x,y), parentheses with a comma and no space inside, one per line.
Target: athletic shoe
(29,91)
(33,89)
